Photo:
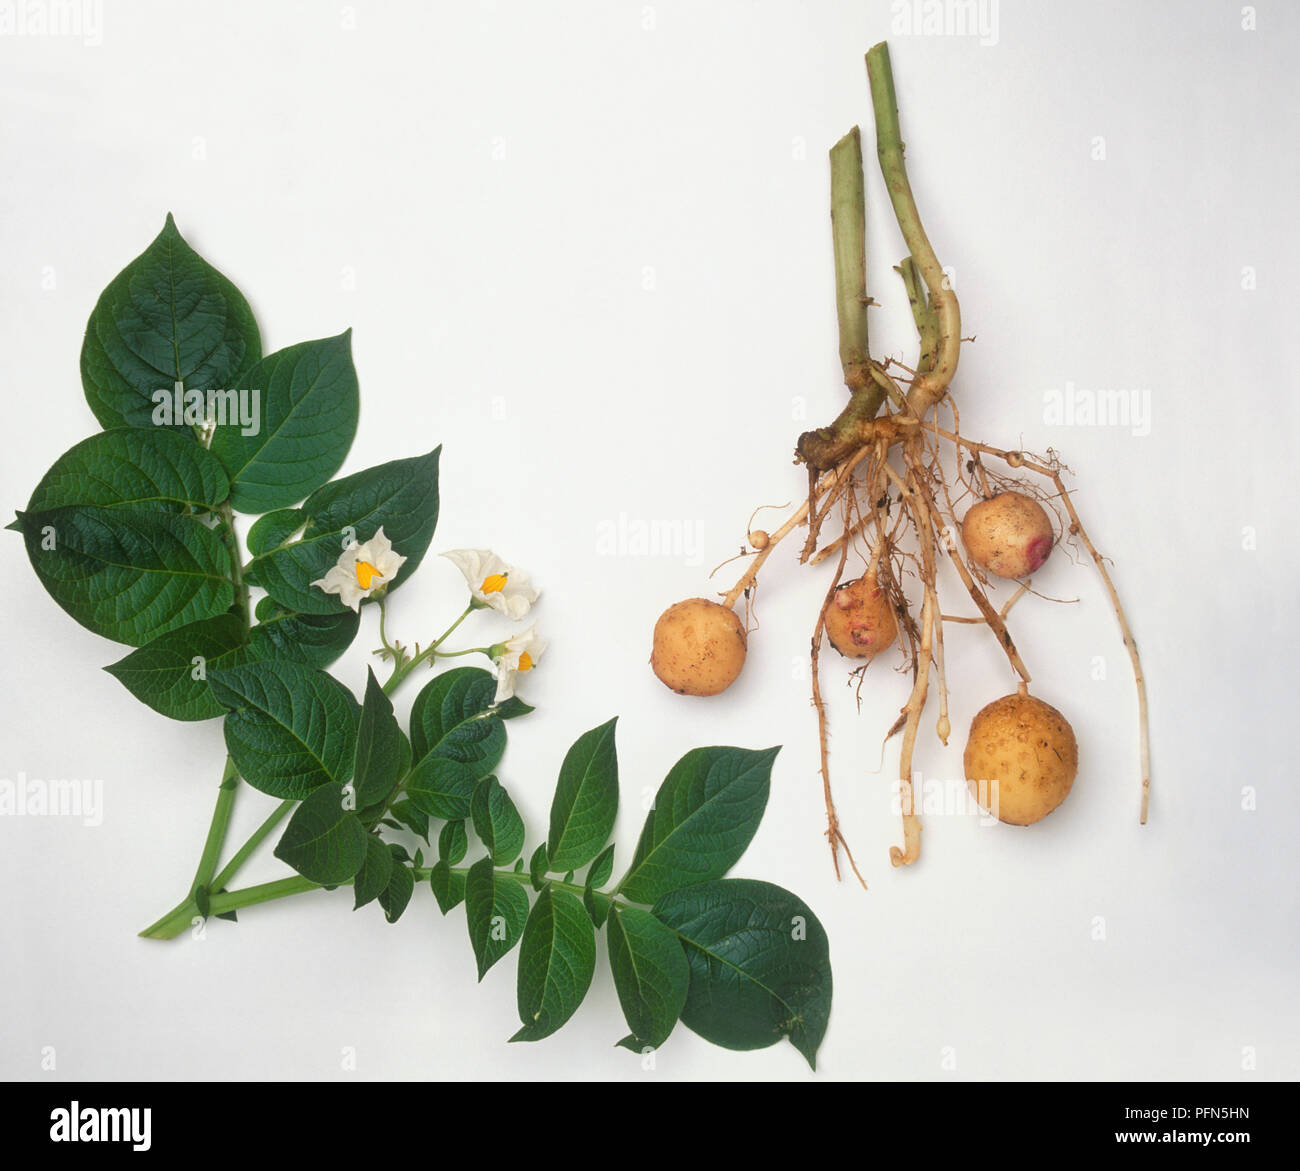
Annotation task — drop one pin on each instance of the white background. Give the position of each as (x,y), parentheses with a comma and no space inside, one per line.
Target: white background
(586,247)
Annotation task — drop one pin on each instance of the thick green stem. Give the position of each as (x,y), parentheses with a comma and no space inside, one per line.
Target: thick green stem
(245,851)
(824,448)
(930,386)
(923,313)
(849,239)
(217,829)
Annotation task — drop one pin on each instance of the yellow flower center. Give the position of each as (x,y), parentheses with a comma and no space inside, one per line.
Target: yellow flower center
(366,573)
(493,583)
(525,662)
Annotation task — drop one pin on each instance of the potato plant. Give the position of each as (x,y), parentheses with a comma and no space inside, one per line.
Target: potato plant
(133,532)
(896,477)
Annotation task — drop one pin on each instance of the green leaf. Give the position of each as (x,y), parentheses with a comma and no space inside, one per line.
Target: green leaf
(537,868)
(495,911)
(557,957)
(497,821)
(453,843)
(601,868)
(704,816)
(598,904)
(151,469)
(651,974)
(308,419)
(383,754)
(395,896)
(315,640)
(442,788)
(127,573)
(513,707)
(412,817)
(163,673)
(271,531)
(400,497)
(760,964)
(291,728)
(452,717)
(586,800)
(168,317)
(324,840)
(374,874)
(448,886)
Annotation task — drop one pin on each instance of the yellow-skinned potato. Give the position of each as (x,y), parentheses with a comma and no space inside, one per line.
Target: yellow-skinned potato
(699,647)
(1008,536)
(860,620)
(1021,758)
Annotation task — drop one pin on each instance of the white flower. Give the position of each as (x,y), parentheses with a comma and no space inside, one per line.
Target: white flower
(515,655)
(493,583)
(361,570)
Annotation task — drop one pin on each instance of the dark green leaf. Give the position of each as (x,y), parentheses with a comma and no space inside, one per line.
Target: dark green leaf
(270,532)
(412,817)
(497,821)
(149,468)
(400,497)
(374,874)
(495,911)
(313,639)
(598,904)
(308,419)
(601,868)
(513,707)
(557,957)
(453,843)
(586,800)
(537,867)
(760,964)
(704,816)
(126,573)
(452,717)
(168,317)
(650,973)
(324,840)
(291,728)
(164,674)
(448,886)
(442,788)
(383,755)
(394,897)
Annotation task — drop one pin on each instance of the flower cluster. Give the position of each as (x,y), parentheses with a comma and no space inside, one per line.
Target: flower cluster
(366,570)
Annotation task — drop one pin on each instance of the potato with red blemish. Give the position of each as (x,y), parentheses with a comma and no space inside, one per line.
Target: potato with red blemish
(1021,758)
(1009,535)
(699,647)
(860,621)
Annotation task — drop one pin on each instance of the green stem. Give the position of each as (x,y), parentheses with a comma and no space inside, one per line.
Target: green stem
(177,921)
(403,669)
(246,850)
(217,829)
(849,237)
(930,386)
(923,314)
(826,447)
